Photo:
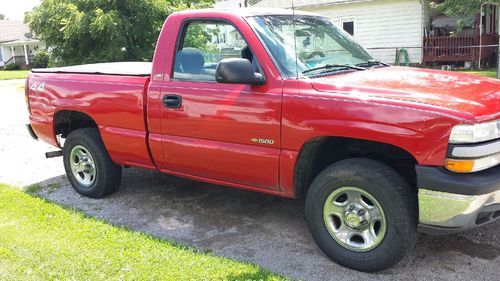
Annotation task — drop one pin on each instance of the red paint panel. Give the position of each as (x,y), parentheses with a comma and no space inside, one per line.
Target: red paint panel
(220,182)
(44,129)
(156,148)
(287,170)
(420,129)
(243,164)
(223,112)
(463,95)
(115,103)
(127,147)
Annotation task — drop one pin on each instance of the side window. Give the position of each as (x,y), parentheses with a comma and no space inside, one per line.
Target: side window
(203,45)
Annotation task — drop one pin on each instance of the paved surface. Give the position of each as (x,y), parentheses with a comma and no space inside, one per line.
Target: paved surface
(248,226)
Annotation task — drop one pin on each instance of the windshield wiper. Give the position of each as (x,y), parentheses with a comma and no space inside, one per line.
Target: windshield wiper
(328,66)
(371,63)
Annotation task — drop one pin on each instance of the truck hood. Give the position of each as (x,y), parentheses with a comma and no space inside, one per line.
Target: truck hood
(472,95)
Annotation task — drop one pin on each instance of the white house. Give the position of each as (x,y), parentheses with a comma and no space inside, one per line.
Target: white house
(227,37)
(379,25)
(382,26)
(17,44)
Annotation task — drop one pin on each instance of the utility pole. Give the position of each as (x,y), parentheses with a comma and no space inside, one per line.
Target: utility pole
(498,32)
(480,36)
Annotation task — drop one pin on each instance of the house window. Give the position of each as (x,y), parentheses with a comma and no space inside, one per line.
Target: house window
(348,26)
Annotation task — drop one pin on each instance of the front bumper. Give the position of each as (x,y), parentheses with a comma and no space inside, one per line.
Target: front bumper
(450,202)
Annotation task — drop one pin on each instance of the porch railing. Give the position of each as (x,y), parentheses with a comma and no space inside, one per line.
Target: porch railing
(21,60)
(458,48)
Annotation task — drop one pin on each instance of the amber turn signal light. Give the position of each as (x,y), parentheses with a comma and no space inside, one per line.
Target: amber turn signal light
(459,166)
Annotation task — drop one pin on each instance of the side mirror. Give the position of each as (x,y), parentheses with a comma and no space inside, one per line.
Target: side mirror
(237,71)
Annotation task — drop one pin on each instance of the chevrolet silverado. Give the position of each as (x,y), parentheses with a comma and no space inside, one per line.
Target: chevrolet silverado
(285,103)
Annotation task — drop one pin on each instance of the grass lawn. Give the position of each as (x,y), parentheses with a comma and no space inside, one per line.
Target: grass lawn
(484,72)
(13,74)
(40,240)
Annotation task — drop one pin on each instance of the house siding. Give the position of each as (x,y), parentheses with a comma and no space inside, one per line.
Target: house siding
(382,24)
(388,24)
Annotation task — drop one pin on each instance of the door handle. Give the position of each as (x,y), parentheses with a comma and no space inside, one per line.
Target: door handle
(172,101)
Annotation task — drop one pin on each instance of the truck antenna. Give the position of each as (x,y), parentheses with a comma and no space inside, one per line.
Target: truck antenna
(295,41)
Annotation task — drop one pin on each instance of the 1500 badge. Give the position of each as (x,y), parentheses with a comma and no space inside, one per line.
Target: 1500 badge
(262,141)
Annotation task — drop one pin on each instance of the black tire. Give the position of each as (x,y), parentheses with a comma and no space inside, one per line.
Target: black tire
(394,195)
(107,176)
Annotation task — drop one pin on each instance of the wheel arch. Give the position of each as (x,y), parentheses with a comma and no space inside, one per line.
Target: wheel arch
(319,152)
(66,121)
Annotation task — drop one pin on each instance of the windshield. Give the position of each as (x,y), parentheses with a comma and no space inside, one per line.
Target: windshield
(301,44)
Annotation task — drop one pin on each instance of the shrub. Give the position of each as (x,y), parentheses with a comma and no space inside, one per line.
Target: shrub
(41,59)
(12,66)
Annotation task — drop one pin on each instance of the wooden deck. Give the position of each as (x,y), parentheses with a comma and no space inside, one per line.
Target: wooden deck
(458,48)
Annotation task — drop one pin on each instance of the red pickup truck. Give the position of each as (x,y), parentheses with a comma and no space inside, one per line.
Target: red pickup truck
(285,103)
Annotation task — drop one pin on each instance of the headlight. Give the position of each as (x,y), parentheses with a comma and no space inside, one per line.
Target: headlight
(475,133)
(468,152)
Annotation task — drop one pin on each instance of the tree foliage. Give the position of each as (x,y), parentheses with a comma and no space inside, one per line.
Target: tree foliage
(2,16)
(89,31)
(463,10)
(198,36)
(41,59)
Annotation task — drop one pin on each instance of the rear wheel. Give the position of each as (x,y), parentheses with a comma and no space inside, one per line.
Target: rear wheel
(88,166)
(362,214)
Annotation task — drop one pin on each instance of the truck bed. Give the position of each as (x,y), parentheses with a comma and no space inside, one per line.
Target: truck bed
(112,68)
(112,94)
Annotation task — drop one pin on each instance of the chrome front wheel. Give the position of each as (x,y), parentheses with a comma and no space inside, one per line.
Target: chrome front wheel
(354,219)
(362,214)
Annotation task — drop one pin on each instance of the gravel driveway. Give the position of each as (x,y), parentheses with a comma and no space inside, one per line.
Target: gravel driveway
(243,225)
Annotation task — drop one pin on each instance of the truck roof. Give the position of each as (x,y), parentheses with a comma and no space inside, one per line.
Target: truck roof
(248,12)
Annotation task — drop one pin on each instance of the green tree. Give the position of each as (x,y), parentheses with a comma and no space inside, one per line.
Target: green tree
(41,59)
(463,10)
(2,16)
(90,31)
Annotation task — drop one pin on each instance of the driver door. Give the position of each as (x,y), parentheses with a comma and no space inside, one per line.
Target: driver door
(226,133)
